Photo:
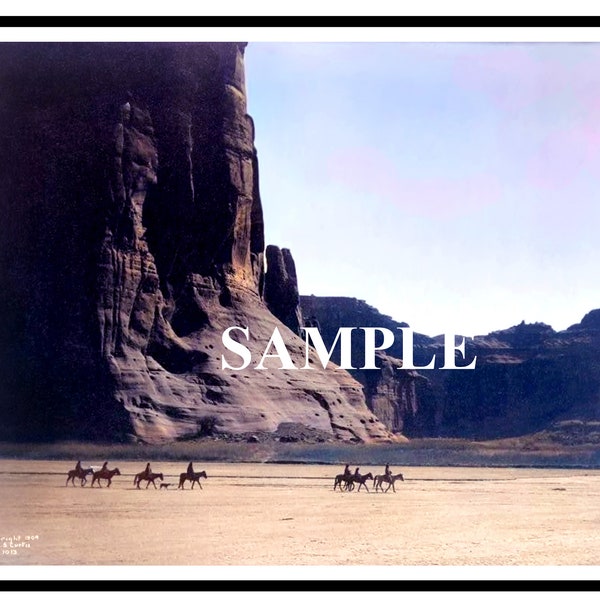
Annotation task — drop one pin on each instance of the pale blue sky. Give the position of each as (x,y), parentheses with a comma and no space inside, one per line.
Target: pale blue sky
(453,186)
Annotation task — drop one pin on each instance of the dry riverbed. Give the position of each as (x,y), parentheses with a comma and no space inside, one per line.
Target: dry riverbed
(278,514)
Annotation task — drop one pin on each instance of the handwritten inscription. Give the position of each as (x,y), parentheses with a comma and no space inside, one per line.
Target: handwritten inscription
(12,545)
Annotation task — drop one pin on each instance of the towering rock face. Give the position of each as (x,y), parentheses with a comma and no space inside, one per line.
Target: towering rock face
(135,239)
(281,288)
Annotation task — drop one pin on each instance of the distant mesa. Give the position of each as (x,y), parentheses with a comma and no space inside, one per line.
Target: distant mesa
(590,322)
(528,376)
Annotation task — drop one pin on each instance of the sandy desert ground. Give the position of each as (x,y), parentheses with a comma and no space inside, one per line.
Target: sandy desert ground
(276,514)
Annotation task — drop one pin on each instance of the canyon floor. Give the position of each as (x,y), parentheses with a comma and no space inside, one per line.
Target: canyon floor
(262,514)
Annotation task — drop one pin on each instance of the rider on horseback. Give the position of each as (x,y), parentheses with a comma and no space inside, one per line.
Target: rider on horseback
(388,472)
(147,471)
(190,470)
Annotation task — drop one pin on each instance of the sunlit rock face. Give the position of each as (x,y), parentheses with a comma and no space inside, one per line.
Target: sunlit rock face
(134,238)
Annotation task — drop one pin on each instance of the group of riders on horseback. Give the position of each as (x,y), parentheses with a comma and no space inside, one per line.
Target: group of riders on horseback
(80,473)
(146,475)
(347,480)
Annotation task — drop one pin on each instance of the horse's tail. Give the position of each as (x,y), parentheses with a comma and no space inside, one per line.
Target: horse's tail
(135,480)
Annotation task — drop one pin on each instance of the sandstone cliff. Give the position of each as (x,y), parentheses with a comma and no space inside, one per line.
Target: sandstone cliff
(135,238)
(528,377)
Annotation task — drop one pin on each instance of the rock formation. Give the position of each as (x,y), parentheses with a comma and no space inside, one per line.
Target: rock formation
(135,238)
(281,288)
(391,393)
(527,377)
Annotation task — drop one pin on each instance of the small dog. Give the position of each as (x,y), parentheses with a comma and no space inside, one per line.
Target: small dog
(164,486)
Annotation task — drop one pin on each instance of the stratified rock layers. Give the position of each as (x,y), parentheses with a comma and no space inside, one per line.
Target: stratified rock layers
(135,238)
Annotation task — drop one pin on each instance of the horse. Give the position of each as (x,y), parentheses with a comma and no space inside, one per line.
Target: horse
(361,480)
(346,480)
(195,478)
(150,477)
(80,474)
(104,474)
(379,479)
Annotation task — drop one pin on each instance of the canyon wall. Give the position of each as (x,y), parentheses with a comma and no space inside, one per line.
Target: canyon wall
(135,238)
(527,377)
